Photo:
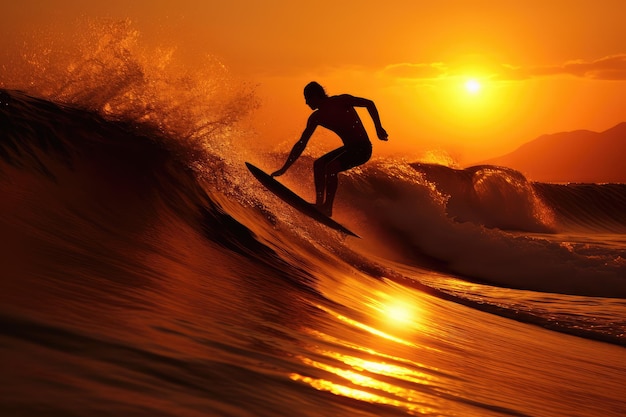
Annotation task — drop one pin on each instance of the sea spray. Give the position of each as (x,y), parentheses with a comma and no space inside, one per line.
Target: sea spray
(104,66)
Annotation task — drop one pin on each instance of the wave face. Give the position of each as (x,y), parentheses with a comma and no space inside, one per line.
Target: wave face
(145,272)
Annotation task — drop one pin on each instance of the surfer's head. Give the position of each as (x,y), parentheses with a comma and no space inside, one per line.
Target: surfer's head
(313,94)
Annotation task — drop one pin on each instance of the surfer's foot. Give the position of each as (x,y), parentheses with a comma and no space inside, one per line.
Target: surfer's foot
(324,209)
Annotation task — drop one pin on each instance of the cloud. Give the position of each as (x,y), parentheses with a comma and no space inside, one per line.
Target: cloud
(416,71)
(611,67)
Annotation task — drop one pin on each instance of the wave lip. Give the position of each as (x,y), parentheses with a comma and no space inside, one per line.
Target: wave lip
(495,197)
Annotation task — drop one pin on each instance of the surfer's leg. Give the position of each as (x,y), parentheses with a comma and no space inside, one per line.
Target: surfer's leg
(321,175)
(329,166)
(332,182)
(343,160)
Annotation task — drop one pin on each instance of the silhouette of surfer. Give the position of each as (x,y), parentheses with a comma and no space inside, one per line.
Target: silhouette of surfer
(338,114)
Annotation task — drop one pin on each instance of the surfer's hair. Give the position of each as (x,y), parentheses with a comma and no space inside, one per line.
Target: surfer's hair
(314,89)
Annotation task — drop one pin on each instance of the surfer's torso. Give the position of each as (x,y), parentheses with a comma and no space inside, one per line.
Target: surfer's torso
(337,114)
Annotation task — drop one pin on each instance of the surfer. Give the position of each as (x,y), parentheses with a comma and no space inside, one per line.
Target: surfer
(338,114)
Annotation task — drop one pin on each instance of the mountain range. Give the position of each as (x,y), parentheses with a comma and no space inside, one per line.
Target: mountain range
(580,156)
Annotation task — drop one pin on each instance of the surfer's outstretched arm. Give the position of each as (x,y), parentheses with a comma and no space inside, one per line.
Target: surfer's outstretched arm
(299,147)
(373,111)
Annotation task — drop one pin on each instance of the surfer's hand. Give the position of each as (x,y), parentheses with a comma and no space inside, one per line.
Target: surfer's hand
(382,134)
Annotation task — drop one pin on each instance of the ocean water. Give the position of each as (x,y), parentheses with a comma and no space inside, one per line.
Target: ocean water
(144,271)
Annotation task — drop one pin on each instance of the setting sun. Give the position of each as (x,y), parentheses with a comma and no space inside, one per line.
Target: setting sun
(472,86)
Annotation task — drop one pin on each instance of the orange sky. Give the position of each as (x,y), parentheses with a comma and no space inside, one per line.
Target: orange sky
(543,66)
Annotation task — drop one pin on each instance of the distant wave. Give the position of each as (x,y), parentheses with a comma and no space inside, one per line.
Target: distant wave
(487,224)
(495,197)
(599,208)
(500,197)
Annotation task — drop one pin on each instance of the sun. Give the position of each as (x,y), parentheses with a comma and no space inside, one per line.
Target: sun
(472,86)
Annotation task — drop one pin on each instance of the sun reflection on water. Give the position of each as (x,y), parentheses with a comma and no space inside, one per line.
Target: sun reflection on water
(365,327)
(382,368)
(363,385)
(353,370)
(338,389)
(396,313)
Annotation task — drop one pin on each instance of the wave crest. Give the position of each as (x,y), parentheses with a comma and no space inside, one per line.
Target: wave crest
(104,66)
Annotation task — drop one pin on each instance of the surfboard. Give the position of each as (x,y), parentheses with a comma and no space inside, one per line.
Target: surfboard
(295,201)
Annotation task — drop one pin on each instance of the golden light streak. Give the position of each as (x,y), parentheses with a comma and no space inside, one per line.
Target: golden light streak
(338,389)
(370,351)
(382,368)
(408,396)
(365,327)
